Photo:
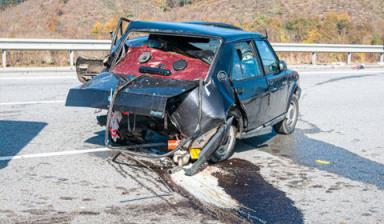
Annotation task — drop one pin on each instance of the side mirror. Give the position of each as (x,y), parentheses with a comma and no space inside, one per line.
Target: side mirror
(282,65)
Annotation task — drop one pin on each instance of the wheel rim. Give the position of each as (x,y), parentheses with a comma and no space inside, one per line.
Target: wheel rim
(291,114)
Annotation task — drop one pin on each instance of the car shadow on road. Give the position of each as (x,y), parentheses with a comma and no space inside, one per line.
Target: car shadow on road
(15,135)
(306,151)
(97,139)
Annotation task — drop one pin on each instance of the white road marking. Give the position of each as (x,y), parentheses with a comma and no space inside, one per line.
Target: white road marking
(344,72)
(38,77)
(51,154)
(32,102)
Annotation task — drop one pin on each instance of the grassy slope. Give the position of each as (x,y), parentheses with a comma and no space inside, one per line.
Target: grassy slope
(80,18)
(76,18)
(65,18)
(235,11)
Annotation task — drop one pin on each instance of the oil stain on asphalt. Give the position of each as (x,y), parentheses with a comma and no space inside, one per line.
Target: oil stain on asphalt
(260,202)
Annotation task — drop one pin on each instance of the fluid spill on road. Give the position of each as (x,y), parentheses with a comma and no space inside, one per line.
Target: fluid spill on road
(306,151)
(260,202)
(257,201)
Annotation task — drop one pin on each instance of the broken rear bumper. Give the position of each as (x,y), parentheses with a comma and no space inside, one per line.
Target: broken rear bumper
(144,95)
(191,107)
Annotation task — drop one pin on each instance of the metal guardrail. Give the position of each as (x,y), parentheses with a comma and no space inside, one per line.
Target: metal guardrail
(331,48)
(72,45)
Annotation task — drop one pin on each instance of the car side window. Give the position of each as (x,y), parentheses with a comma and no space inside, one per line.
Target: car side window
(244,61)
(268,57)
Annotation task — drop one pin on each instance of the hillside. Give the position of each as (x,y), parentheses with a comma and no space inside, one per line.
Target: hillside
(300,21)
(326,21)
(7,3)
(67,18)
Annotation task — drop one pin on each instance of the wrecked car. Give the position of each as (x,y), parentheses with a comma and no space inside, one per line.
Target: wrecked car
(185,91)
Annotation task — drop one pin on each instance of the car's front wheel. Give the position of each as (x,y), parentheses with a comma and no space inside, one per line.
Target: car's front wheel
(287,126)
(227,149)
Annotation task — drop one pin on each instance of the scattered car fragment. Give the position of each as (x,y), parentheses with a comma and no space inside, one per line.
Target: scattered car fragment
(87,68)
(186,91)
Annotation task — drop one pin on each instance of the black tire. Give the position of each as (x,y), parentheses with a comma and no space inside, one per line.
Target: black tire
(287,126)
(225,151)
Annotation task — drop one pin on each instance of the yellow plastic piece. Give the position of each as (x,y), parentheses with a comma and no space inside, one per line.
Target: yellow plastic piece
(323,162)
(195,152)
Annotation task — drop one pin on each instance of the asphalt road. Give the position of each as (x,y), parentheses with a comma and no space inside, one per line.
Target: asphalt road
(55,169)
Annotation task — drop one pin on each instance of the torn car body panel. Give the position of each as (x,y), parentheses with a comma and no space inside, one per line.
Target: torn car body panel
(145,95)
(201,110)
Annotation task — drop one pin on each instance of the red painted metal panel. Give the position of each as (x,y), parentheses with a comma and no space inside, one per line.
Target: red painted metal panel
(130,65)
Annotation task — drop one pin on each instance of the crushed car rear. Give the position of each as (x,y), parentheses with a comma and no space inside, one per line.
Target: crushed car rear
(160,97)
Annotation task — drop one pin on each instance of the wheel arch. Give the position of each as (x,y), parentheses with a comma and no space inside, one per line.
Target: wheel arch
(239,116)
(295,91)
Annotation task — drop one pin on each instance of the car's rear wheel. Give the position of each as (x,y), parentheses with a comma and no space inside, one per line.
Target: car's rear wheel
(227,149)
(287,126)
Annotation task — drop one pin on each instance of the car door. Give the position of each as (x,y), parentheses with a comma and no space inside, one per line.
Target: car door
(249,83)
(277,80)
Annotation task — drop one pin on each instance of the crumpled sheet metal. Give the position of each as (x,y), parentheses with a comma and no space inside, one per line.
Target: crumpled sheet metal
(187,116)
(145,95)
(193,107)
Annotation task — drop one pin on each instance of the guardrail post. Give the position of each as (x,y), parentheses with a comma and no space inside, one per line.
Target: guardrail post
(4,58)
(314,57)
(382,58)
(349,60)
(71,57)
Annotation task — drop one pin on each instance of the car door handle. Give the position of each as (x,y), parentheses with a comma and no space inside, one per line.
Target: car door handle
(240,90)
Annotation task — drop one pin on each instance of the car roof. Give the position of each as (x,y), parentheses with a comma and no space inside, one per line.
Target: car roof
(226,32)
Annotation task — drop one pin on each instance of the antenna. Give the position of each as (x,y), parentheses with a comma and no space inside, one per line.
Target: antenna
(266,33)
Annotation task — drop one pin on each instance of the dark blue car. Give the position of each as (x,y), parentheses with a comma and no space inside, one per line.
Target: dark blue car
(186,91)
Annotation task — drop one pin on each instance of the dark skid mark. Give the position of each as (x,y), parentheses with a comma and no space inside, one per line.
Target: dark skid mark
(89,213)
(262,202)
(342,78)
(306,151)
(67,198)
(144,177)
(15,135)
